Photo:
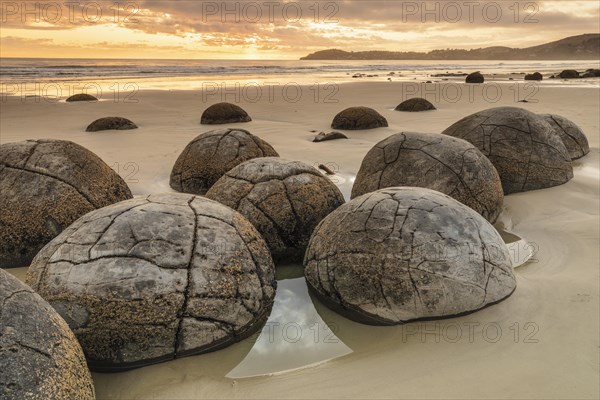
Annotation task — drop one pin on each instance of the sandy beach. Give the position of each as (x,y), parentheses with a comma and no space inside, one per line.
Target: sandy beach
(542,342)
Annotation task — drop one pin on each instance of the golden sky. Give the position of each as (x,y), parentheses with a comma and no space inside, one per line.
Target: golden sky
(272,29)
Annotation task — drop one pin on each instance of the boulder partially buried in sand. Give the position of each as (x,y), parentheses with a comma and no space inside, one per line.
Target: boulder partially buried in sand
(475,77)
(110,123)
(45,186)
(224,113)
(81,97)
(536,76)
(206,158)
(285,200)
(415,104)
(449,165)
(152,279)
(355,118)
(572,136)
(569,74)
(526,151)
(401,254)
(39,355)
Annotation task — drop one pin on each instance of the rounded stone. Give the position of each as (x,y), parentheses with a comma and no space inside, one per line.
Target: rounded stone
(403,254)
(224,113)
(526,151)
(152,279)
(110,123)
(81,97)
(415,104)
(46,185)
(39,355)
(206,158)
(475,77)
(572,136)
(536,76)
(449,165)
(285,200)
(569,74)
(355,118)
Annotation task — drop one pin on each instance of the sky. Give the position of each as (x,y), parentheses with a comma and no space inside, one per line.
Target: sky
(272,29)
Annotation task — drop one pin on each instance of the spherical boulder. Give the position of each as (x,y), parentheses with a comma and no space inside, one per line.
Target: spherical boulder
(536,76)
(572,136)
(449,165)
(526,151)
(81,97)
(415,104)
(475,77)
(152,279)
(39,355)
(355,118)
(402,254)
(110,123)
(206,158)
(284,200)
(46,185)
(224,113)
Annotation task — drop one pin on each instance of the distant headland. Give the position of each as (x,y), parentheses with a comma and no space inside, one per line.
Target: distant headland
(581,47)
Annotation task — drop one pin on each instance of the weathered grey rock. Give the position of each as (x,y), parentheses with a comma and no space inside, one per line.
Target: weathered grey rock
(449,165)
(46,185)
(206,158)
(572,136)
(322,136)
(591,73)
(284,200)
(401,254)
(526,151)
(224,113)
(569,74)
(415,104)
(536,76)
(110,123)
(475,77)
(81,97)
(355,118)
(39,355)
(152,279)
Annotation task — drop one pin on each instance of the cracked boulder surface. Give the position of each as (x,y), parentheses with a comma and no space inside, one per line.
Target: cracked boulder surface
(284,200)
(111,123)
(224,113)
(355,118)
(152,279)
(572,136)
(449,165)
(526,151)
(46,185)
(402,254)
(206,158)
(415,104)
(39,355)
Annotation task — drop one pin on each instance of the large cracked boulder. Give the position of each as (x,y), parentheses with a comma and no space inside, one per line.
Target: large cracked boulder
(536,76)
(569,74)
(402,254)
(157,278)
(415,104)
(572,136)
(39,355)
(355,118)
(206,158)
(285,200)
(110,123)
(224,113)
(46,185)
(449,165)
(524,148)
